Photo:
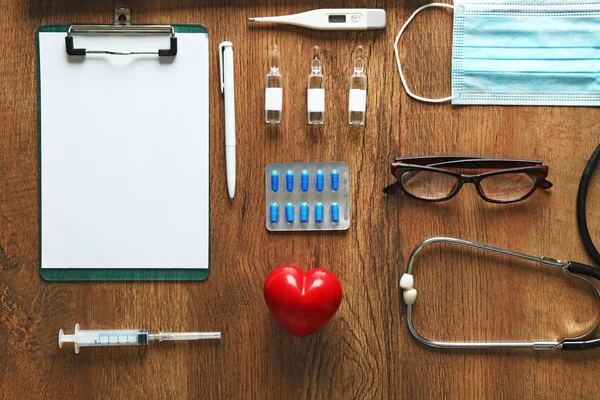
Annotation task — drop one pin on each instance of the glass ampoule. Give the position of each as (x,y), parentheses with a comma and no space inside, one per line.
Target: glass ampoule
(316,90)
(357,101)
(274,89)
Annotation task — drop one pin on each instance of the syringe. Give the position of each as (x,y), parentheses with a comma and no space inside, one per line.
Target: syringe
(126,337)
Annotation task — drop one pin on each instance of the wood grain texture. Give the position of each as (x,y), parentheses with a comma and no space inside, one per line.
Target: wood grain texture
(366,351)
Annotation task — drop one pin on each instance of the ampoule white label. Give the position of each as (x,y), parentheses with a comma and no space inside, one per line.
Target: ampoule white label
(358,100)
(273,99)
(316,100)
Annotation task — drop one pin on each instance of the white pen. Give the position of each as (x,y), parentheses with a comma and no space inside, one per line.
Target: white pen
(226,74)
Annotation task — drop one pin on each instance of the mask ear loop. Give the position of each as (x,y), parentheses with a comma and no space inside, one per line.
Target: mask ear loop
(411,94)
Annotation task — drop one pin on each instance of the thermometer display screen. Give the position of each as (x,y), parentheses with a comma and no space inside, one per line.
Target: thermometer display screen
(337,19)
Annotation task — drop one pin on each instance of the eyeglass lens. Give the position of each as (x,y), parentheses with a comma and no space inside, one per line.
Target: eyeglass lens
(429,185)
(508,186)
(433,185)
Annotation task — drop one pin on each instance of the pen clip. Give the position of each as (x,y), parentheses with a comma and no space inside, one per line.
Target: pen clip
(222,83)
(221,48)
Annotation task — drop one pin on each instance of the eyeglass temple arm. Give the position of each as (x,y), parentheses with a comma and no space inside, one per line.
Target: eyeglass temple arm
(391,189)
(428,160)
(545,184)
(587,270)
(479,162)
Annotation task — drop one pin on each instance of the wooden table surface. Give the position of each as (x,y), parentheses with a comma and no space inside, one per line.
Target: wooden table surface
(366,350)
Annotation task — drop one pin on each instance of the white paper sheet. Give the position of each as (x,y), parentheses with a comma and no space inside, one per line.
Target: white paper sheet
(124,154)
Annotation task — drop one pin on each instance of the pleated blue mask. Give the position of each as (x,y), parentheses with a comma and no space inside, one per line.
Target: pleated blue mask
(530,52)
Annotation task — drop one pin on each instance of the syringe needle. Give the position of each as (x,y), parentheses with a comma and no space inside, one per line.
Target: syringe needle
(184,335)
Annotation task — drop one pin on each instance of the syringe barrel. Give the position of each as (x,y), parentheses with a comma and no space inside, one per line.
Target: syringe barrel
(91,338)
(118,337)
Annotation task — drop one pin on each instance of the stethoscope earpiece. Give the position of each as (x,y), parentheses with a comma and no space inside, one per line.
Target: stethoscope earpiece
(409,295)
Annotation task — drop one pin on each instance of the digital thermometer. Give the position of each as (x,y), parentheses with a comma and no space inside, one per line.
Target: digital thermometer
(332,19)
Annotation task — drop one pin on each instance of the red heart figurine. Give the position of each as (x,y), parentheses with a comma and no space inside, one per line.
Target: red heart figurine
(302,302)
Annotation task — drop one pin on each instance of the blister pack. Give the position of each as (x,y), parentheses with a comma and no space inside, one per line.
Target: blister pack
(307,196)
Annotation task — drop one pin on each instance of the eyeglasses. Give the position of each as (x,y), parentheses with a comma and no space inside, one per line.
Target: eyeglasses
(441,178)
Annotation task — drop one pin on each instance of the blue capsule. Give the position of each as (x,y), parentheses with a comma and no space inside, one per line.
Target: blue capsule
(304,181)
(274,213)
(274,181)
(319,212)
(304,213)
(335,212)
(289,180)
(289,213)
(335,180)
(320,181)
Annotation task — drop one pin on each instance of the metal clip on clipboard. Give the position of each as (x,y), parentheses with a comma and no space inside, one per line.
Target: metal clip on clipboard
(122,26)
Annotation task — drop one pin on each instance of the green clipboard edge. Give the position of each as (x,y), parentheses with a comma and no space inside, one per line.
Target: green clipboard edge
(84,274)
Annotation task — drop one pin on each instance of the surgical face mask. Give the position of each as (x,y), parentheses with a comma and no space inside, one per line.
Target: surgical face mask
(536,52)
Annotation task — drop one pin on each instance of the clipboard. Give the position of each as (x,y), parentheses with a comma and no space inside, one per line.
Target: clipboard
(123,125)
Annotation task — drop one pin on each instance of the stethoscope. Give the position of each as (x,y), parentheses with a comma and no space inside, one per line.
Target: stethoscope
(581,271)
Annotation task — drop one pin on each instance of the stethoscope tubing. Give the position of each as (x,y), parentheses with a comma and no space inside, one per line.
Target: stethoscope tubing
(584,184)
